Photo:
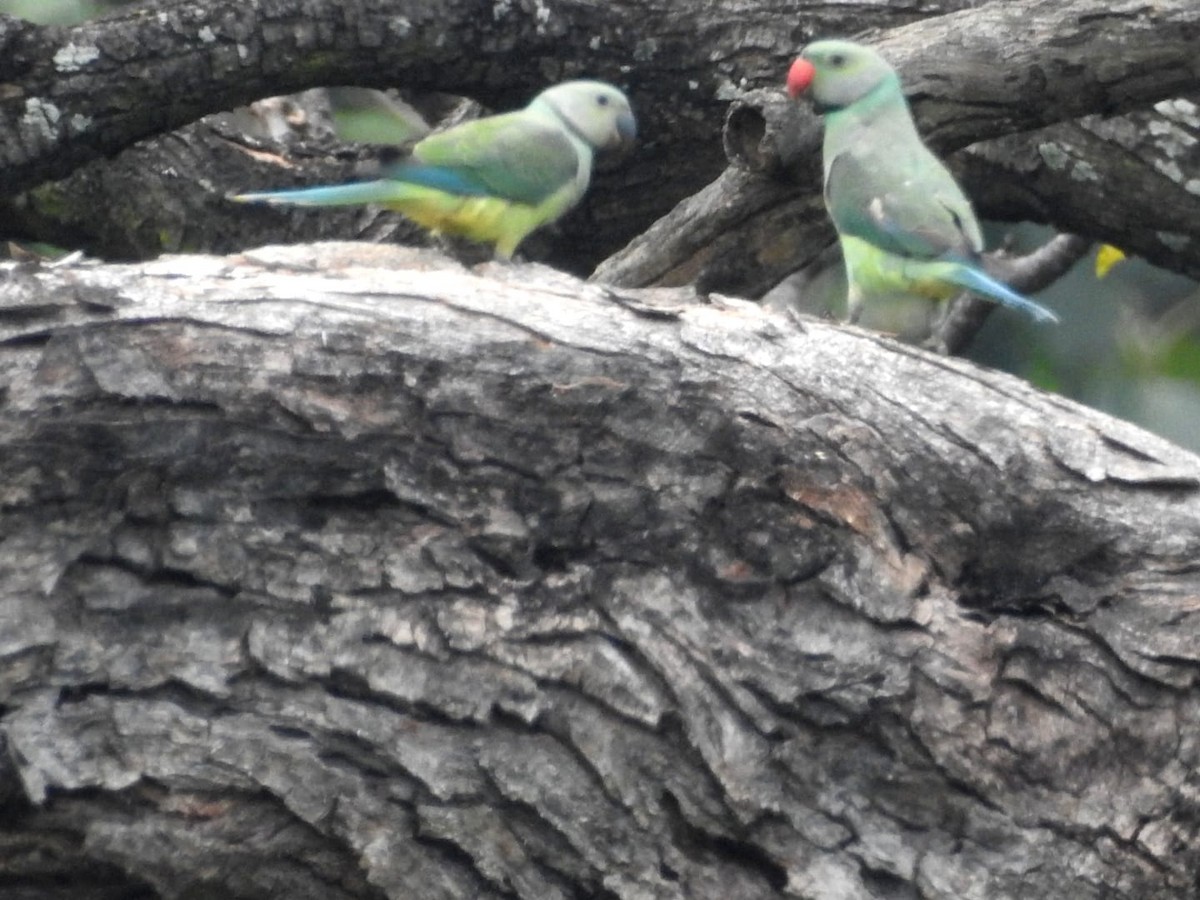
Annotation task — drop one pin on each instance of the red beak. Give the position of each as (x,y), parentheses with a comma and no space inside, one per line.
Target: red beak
(800,76)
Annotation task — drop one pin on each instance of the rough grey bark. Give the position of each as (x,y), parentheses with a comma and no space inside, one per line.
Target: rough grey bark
(743,233)
(349,572)
(343,571)
(82,92)
(135,75)
(169,194)
(1133,180)
(681,75)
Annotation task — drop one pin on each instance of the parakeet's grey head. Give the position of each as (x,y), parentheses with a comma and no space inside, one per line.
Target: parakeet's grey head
(837,73)
(595,111)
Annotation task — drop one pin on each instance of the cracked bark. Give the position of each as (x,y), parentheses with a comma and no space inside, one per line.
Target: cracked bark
(1128,180)
(347,572)
(343,571)
(1061,60)
(77,94)
(744,232)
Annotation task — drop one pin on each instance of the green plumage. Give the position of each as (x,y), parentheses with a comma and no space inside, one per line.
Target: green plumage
(497,179)
(523,156)
(904,223)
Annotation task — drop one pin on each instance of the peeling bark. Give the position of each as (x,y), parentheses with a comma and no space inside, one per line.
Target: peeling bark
(345,571)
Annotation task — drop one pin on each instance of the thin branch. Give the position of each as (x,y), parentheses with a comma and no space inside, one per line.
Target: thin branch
(1028,274)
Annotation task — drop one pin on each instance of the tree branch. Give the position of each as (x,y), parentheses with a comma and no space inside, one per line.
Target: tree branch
(1128,180)
(344,571)
(1027,274)
(1052,52)
(78,94)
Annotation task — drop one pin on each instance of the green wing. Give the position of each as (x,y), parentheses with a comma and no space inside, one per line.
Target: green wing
(514,156)
(915,210)
(368,116)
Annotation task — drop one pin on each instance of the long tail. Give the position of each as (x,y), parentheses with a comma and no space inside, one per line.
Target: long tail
(978,282)
(380,191)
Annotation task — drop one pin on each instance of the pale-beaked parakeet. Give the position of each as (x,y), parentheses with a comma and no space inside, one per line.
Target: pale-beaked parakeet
(904,224)
(497,179)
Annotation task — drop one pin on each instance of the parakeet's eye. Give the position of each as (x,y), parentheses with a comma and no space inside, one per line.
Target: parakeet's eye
(602,99)
(837,60)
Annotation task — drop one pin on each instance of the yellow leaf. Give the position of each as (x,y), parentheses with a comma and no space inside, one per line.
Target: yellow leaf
(1107,257)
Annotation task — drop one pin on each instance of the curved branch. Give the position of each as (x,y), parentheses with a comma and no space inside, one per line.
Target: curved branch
(1027,274)
(346,569)
(71,95)
(1131,181)
(1061,58)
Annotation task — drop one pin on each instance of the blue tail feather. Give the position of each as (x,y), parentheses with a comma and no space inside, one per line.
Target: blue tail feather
(980,282)
(461,181)
(381,190)
(353,194)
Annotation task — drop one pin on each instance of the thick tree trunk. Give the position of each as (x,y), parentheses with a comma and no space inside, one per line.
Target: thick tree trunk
(343,571)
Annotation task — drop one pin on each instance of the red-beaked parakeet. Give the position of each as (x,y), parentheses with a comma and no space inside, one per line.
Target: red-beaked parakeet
(905,225)
(496,179)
